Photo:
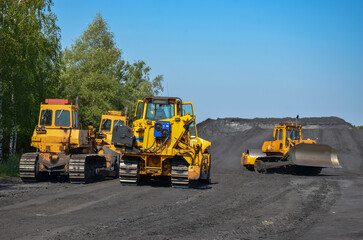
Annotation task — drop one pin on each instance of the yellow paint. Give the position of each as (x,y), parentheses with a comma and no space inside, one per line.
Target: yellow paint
(113,117)
(194,172)
(59,139)
(281,143)
(247,159)
(180,144)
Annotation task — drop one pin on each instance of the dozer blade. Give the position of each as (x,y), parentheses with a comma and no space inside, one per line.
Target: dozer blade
(255,153)
(314,155)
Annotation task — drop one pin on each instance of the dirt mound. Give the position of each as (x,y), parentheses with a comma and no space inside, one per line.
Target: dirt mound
(232,136)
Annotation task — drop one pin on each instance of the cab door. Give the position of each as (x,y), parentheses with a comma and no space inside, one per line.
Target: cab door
(278,143)
(187,107)
(139,112)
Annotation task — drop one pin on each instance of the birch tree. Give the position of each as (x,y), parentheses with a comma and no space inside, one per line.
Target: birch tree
(29,66)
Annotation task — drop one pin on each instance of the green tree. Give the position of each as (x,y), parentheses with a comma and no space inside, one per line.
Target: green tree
(29,66)
(136,84)
(95,71)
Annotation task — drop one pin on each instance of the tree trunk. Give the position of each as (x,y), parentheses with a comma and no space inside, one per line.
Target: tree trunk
(13,133)
(1,121)
(15,139)
(11,142)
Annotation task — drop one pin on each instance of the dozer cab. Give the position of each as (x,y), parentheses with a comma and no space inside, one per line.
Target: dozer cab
(290,153)
(62,147)
(162,142)
(103,139)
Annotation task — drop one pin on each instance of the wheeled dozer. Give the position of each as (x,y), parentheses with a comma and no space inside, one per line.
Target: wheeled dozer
(162,142)
(63,148)
(290,153)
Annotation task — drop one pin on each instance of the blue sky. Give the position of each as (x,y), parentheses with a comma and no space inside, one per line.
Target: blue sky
(240,58)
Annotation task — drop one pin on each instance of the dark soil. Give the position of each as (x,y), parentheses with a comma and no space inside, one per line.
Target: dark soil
(238,204)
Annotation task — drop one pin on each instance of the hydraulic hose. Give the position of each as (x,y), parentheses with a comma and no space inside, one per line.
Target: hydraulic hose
(149,147)
(162,145)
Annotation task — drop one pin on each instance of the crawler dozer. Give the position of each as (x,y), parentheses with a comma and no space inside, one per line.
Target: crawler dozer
(290,153)
(62,147)
(103,139)
(162,142)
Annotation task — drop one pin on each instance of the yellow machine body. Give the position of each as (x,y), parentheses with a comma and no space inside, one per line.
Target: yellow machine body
(288,148)
(103,140)
(63,148)
(165,143)
(284,137)
(109,121)
(58,130)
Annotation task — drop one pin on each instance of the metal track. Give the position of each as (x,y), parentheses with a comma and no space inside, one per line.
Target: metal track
(179,174)
(78,170)
(27,167)
(128,171)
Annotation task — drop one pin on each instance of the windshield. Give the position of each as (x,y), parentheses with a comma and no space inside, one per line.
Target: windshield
(106,125)
(118,123)
(292,134)
(187,108)
(62,118)
(159,111)
(46,118)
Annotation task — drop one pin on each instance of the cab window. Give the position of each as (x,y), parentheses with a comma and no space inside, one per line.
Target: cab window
(73,120)
(291,133)
(76,119)
(192,131)
(106,125)
(159,111)
(118,123)
(62,118)
(187,108)
(276,134)
(280,134)
(46,117)
(139,111)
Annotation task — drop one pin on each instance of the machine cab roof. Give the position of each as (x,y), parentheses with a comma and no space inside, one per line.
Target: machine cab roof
(160,108)
(58,113)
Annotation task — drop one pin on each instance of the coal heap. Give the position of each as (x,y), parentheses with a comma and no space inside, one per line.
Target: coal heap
(232,136)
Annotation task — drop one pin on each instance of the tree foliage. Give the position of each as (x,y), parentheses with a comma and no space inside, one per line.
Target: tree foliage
(95,71)
(33,68)
(29,65)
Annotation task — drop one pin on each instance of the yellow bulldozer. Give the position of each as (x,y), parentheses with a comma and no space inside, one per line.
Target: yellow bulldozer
(162,142)
(63,148)
(103,138)
(289,152)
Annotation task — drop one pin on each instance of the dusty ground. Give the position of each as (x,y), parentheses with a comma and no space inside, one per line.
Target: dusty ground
(237,205)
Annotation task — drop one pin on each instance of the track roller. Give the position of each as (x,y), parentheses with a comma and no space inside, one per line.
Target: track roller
(128,171)
(28,168)
(79,171)
(179,174)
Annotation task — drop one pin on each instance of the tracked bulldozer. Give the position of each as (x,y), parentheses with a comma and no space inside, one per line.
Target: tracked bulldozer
(289,152)
(162,143)
(103,138)
(63,148)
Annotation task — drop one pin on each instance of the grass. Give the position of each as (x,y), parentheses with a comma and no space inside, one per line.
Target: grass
(10,167)
(359,127)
